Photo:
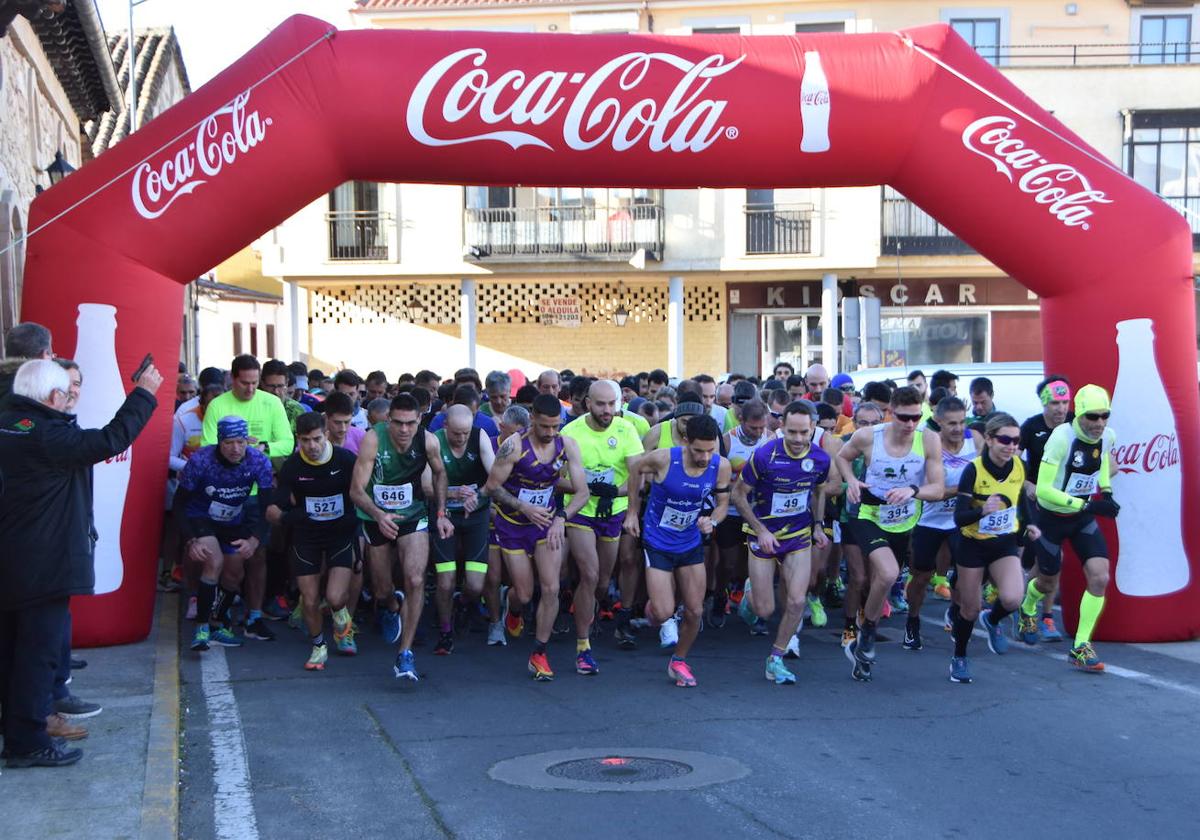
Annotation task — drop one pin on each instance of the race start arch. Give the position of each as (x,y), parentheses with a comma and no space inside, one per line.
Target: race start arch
(311,107)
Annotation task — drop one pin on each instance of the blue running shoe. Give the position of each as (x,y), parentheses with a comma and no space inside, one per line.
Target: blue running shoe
(745,610)
(997,641)
(1028,629)
(201,639)
(960,672)
(585,663)
(389,625)
(405,667)
(759,627)
(778,672)
(224,637)
(1048,632)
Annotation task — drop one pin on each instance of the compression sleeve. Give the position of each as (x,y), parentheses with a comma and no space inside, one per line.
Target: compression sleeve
(1051,495)
(965,512)
(1107,442)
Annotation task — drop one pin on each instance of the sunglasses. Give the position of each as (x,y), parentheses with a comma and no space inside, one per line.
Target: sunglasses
(1096,416)
(908,418)
(777,414)
(847,389)
(1006,440)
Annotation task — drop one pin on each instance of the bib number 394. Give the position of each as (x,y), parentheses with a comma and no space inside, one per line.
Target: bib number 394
(895,514)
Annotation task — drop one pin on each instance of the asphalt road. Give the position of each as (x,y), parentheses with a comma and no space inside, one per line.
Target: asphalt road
(1030,746)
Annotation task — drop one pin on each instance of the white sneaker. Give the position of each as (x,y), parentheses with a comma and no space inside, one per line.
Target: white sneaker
(496,634)
(668,633)
(792,651)
(190,615)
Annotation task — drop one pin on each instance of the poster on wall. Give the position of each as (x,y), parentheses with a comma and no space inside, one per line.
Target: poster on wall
(560,311)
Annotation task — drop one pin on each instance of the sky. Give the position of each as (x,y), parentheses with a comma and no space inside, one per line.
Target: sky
(215,33)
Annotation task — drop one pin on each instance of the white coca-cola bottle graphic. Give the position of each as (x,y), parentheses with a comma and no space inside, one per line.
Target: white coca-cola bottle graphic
(814,105)
(102,393)
(1146,475)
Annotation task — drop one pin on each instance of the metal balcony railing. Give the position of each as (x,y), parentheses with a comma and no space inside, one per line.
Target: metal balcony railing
(563,232)
(359,234)
(906,225)
(1091,55)
(778,228)
(1189,206)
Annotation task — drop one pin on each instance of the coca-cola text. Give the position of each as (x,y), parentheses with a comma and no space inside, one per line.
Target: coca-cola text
(1159,453)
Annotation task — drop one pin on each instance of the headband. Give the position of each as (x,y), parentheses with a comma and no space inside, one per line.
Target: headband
(1056,390)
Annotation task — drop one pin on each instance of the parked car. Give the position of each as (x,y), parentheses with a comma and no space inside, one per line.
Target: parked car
(1014,382)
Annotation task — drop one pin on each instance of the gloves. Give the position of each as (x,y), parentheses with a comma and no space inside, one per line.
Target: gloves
(604,493)
(1104,506)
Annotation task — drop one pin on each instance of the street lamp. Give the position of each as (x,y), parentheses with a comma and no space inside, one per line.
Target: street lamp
(58,168)
(416,311)
(621,314)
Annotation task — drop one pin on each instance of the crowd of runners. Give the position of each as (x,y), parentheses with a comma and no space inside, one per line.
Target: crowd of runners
(632,512)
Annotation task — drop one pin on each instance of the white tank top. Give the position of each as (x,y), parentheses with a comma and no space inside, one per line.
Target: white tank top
(940,515)
(739,452)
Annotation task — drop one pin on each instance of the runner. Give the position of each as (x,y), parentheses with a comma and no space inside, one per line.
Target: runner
(220,524)
(1075,466)
(683,479)
(936,534)
(987,510)
(392,506)
(530,519)
(903,466)
(780,494)
(609,448)
(514,421)
(313,502)
(866,415)
(467,456)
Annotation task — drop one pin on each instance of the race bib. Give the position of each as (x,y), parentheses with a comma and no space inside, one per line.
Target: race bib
(676,520)
(605,476)
(325,508)
(537,498)
(1000,522)
(393,496)
(1081,484)
(219,512)
(788,504)
(896,514)
(946,506)
(459,503)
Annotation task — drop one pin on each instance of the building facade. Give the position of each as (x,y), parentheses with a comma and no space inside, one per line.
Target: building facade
(586,278)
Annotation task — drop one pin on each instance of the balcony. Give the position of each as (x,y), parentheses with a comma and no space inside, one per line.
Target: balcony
(909,230)
(1092,55)
(778,229)
(359,235)
(563,232)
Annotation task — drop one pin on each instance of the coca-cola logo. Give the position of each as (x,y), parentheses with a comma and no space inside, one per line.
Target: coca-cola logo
(814,97)
(220,139)
(682,121)
(1159,453)
(1061,187)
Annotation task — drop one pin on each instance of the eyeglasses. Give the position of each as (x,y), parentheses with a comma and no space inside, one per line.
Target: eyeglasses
(907,418)
(847,389)
(1006,440)
(1096,416)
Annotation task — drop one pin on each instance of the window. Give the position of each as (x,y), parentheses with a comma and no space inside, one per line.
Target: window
(911,340)
(716,30)
(777,228)
(357,228)
(482,197)
(1162,153)
(1164,39)
(271,341)
(237,338)
(981,33)
(830,26)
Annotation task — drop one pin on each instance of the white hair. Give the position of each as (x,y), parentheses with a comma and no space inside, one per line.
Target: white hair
(37,379)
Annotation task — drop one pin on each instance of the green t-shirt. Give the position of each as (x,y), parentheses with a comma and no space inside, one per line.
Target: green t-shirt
(640,423)
(603,453)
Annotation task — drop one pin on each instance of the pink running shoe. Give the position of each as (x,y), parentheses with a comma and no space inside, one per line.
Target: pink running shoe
(679,671)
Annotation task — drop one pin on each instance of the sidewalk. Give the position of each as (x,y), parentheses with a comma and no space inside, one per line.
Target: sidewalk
(126,785)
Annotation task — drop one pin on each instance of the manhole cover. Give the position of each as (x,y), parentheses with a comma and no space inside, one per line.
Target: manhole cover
(618,770)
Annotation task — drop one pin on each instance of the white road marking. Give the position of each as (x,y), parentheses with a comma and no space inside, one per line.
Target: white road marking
(1060,655)
(233,799)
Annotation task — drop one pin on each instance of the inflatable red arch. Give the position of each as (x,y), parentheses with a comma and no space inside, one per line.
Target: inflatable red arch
(311,107)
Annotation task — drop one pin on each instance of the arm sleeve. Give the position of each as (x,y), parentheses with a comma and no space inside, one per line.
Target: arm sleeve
(1047,492)
(965,512)
(67,444)
(280,442)
(1107,442)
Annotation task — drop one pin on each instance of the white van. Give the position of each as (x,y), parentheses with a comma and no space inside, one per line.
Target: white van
(1014,383)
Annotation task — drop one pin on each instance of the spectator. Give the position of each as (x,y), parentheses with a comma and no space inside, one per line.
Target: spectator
(944,379)
(185,389)
(22,342)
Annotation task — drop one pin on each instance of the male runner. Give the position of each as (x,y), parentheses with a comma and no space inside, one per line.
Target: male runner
(313,501)
(220,527)
(467,456)
(609,448)
(392,506)
(530,519)
(1075,467)
(683,480)
(513,421)
(866,415)
(903,466)
(780,494)
(935,534)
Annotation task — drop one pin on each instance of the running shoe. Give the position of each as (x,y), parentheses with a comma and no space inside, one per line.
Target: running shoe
(626,638)
(941,590)
(539,666)
(860,667)
(276,609)
(258,629)
(832,598)
(817,609)
(406,666)
(317,659)
(564,623)
(1084,658)
(759,627)
(947,621)
(997,641)
(389,626)
(990,594)
(912,635)
(295,619)
(849,635)
(1028,629)
(445,645)
(898,602)
(716,615)
(585,663)
(514,623)
(200,640)
(225,637)
(865,647)
(668,633)
(679,671)
(1048,632)
(792,651)
(778,672)
(887,609)
(190,615)
(343,640)
(745,610)
(496,634)
(960,672)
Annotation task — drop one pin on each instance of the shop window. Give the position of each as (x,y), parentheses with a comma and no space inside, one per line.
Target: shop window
(940,340)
